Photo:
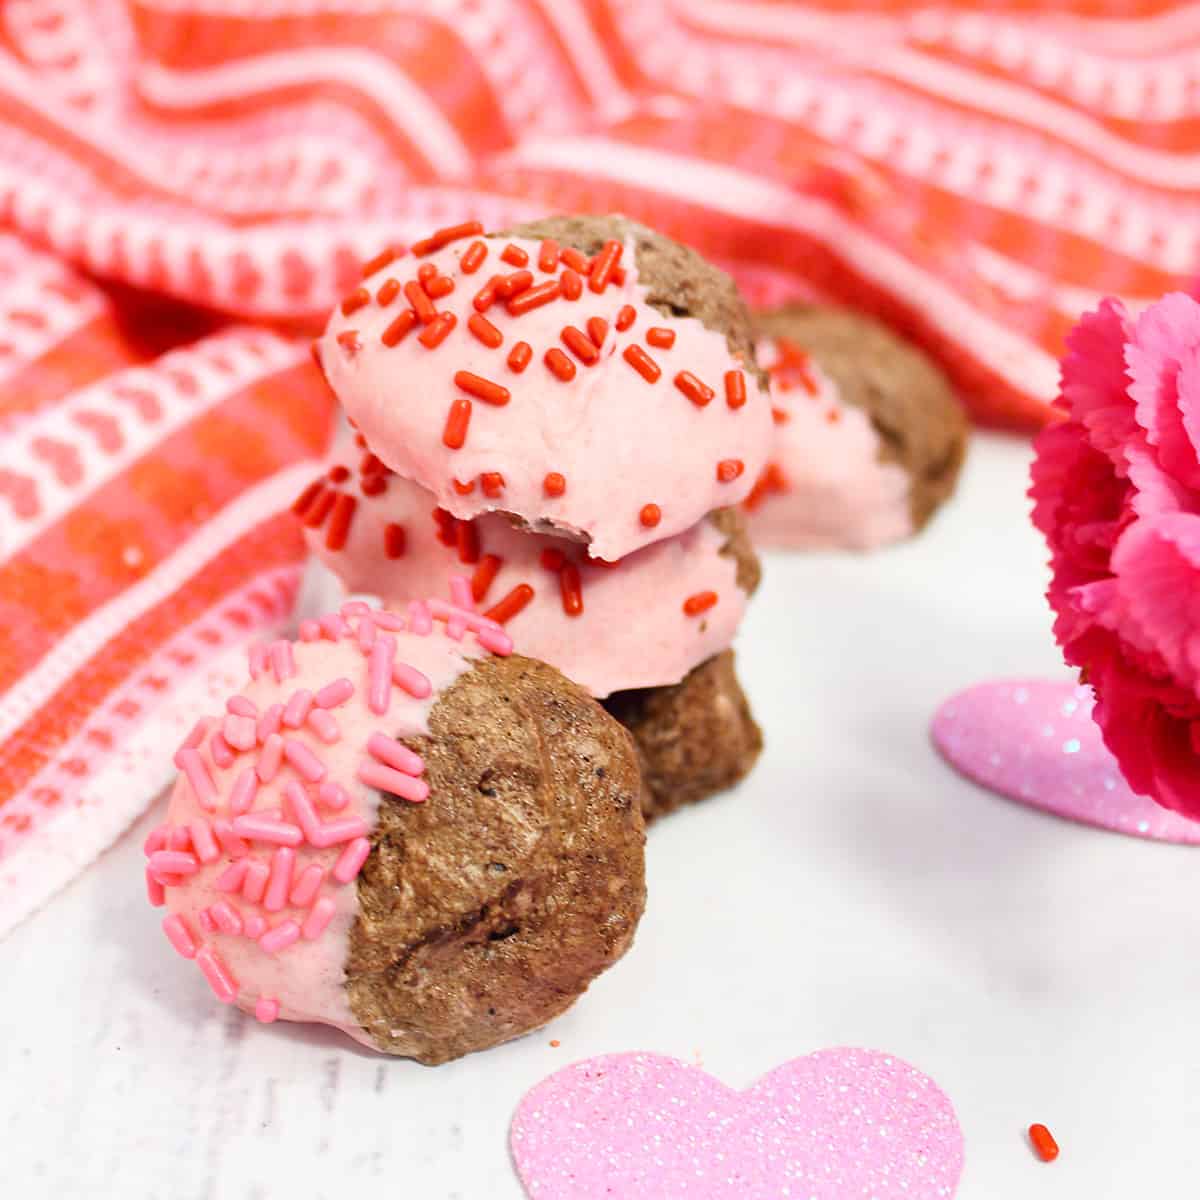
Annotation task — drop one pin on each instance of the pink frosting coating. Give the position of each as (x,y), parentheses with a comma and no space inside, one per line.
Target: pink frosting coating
(615,438)
(633,630)
(825,486)
(257,860)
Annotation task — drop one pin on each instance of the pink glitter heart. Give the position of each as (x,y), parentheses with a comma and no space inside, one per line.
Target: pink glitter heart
(1034,741)
(836,1124)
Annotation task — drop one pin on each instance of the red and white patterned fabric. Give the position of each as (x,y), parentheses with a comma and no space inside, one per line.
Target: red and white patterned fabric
(186,186)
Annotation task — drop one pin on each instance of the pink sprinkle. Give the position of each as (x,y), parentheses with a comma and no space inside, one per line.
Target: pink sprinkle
(178,934)
(258,659)
(460,592)
(228,919)
(310,630)
(300,807)
(388,621)
(269,722)
(366,634)
(281,937)
(193,739)
(254,926)
(156,839)
(355,608)
(333,627)
(495,640)
(333,796)
(240,732)
(351,859)
(470,620)
(270,758)
(411,680)
(173,862)
(196,771)
(245,788)
(420,620)
(318,917)
(256,827)
(297,708)
(322,723)
(375,774)
(267,1008)
(221,751)
(255,883)
(379,675)
(233,845)
(179,838)
(232,877)
(335,693)
(203,840)
(345,829)
(205,919)
(217,974)
(240,706)
(306,763)
(283,662)
(155,892)
(307,885)
(394,754)
(279,884)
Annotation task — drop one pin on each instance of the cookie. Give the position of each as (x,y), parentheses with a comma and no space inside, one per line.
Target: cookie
(404,830)
(611,399)
(869,437)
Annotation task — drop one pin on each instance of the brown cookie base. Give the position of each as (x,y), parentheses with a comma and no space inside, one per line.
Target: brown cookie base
(694,739)
(486,911)
(910,403)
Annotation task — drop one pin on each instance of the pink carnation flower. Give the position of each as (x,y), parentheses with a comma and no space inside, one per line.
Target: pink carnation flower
(1116,490)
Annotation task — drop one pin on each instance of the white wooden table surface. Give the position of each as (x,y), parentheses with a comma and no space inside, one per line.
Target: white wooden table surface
(855,891)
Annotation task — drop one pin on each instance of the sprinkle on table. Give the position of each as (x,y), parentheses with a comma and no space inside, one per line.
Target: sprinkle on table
(1043,1143)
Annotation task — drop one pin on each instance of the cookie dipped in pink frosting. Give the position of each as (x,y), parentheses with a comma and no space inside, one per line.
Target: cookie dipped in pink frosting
(643,622)
(553,382)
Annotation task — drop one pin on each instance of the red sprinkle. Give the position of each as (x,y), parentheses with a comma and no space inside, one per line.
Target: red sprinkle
(447,524)
(728,469)
(371,465)
(356,300)
(534,297)
(472,260)
(339,523)
(575,260)
(512,604)
(519,356)
(434,335)
(426,273)
(554,484)
(339,474)
(597,328)
(483,298)
(306,497)
(388,255)
(485,573)
(771,480)
(780,416)
(457,420)
(388,291)
(415,294)
(700,602)
(572,285)
(1043,1142)
(553,560)
(492,483)
(572,591)
(560,365)
(735,389)
(650,515)
(443,237)
(397,330)
(580,345)
(605,262)
(483,389)
(348,340)
(548,256)
(318,510)
(467,537)
(395,541)
(372,485)
(463,489)
(660,338)
(508,286)
(642,363)
(439,286)
(485,331)
(618,275)
(698,393)
(626,317)
(514,255)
